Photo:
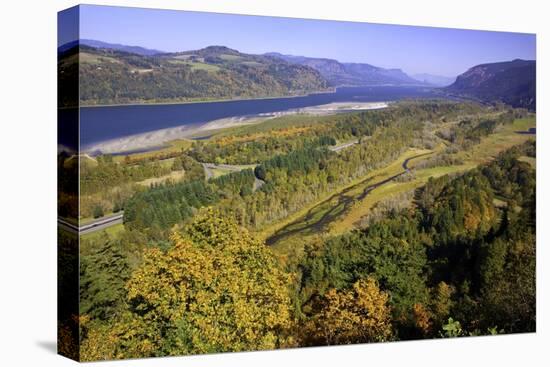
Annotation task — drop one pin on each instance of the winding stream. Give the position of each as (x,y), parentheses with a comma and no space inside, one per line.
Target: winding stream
(344,202)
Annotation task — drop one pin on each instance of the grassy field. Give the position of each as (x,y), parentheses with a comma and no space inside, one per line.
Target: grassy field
(221,170)
(203,66)
(195,65)
(112,232)
(532,161)
(173,176)
(345,220)
(270,124)
(484,152)
(354,188)
(229,57)
(251,63)
(217,172)
(487,150)
(171,147)
(495,143)
(362,208)
(88,58)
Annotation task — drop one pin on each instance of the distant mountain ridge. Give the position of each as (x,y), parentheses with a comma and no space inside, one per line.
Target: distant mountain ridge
(351,74)
(510,82)
(437,80)
(116,46)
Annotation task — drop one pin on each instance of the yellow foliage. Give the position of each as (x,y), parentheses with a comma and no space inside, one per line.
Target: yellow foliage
(358,315)
(276,133)
(67,338)
(217,289)
(422,318)
(480,216)
(129,337)
(442,302)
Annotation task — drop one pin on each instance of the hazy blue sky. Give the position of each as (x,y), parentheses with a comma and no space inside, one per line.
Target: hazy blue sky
(438,51)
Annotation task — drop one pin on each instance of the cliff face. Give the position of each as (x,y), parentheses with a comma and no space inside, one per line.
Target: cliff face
(513,83)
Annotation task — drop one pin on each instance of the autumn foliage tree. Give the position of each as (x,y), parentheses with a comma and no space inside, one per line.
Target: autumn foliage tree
(217,289)
(357,315)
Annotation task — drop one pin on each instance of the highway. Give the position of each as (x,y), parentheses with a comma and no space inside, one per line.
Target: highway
(117,218)
(95,225)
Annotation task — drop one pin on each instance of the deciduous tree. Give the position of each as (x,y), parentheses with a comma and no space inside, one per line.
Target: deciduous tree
(357,315)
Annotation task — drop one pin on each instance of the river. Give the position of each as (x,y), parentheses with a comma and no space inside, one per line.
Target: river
(103,123)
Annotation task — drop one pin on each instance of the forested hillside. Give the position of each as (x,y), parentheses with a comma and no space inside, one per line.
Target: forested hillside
(457,256)
(513,83)
(111,76)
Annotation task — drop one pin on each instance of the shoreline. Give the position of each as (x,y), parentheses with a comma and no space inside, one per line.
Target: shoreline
(330,90)
(156,139)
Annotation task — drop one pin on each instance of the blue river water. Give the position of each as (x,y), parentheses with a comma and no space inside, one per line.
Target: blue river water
(98,124)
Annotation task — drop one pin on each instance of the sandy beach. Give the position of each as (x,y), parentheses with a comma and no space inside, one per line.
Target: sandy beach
(340,107)
(158,138)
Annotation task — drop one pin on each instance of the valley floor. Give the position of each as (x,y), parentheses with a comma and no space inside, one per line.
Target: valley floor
(343,210)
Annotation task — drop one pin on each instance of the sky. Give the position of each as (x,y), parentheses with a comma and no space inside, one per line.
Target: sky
(438,51)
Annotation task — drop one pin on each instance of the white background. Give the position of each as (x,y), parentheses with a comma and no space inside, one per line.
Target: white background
(28,183)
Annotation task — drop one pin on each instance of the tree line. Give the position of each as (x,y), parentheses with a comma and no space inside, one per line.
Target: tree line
(457,256)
